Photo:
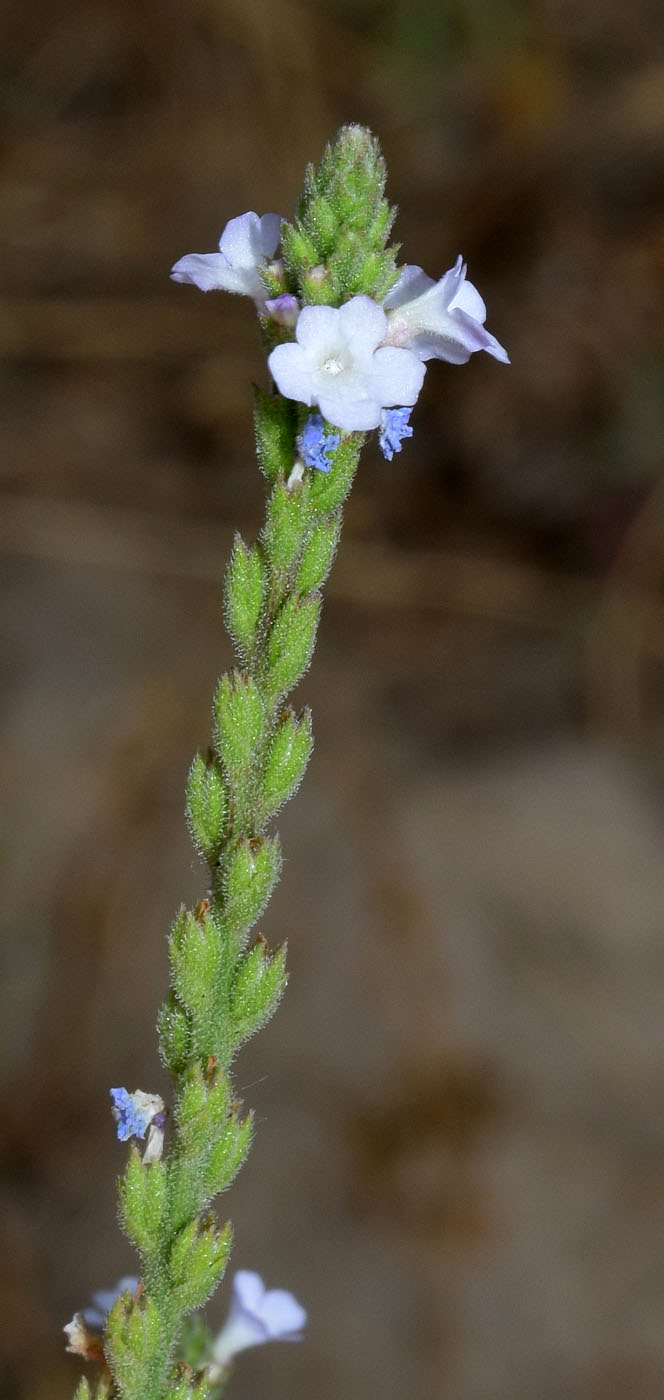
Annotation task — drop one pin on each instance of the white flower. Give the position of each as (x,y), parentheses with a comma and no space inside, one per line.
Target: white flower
(256,1315)
(336,364)
(246,244)
(439,320)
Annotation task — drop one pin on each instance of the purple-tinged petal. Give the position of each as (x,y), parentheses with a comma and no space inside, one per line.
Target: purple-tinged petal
(255,1316)
(283,310)
(412,283)
(469,300)
(451,347)
(248,241)
(208,271)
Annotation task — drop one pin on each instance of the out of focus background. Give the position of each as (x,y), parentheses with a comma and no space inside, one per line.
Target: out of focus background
(459,1163)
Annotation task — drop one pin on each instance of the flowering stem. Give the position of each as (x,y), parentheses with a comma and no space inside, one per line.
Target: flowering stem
(223,988)
(331,345)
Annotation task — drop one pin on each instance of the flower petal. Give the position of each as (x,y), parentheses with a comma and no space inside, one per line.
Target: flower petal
(469,300)
(316,326)
(363,325)
(412,283)
(291,370)
(481,338)
(352,415)
(208,271)
(397,376)
(247,240)
(284,1317)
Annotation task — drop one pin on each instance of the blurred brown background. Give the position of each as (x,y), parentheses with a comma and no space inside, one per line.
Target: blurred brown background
(459,1164)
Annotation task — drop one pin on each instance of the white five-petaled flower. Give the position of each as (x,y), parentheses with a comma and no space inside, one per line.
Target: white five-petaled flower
(439,320)
(246,245)
(337,363)
(256,1315)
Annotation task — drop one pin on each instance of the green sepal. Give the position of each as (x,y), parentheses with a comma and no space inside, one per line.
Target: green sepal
(197,1262)
(133,1339)
(329,490)
(248,874)
(239,724)
(83,1391)
(245,587)
(299,251)
(257,989)
(201,1111)
(228,1154)
(143,1191)
(206,805)
(195,1341)
(174,1025)
(196,960)
(287,758)
(291,643)
(282,535)
(275,428)
(318,554)
(188,1387)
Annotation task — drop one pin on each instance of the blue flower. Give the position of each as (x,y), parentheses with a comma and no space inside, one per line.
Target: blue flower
(394,427)
(314,446)
(137,1114)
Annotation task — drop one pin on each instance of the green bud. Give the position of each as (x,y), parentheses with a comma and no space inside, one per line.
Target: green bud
(201,1110)
(248,876)
(197,1262)
(275,424)
(174,1024)
(133,1339)
(318,554)
(291,643)
(257,990)
(239,724)
(228,1154)
(299,251)
(206,805)
(329,491)
(342,221)
(196,960)
(143,1201)
(245,585)
(282,536)
(287,758)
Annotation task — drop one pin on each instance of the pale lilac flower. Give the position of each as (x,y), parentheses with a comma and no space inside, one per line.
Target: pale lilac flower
(439,320)
(137,1114)
(246,245)
(284,310)
(256,1315)
(336,364)
(394,427)
(314,446)
(104,1299)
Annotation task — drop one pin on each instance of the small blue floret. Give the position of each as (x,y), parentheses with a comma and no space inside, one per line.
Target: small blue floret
(133,1118)
(394,427)
(314,445)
